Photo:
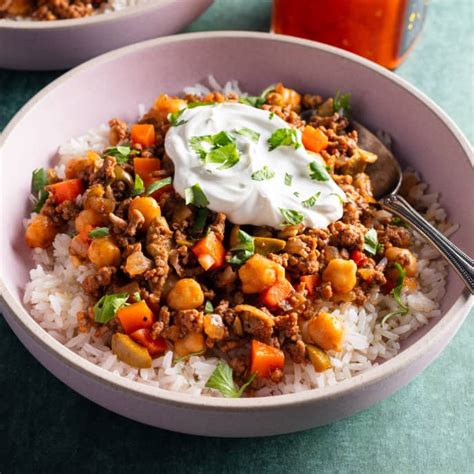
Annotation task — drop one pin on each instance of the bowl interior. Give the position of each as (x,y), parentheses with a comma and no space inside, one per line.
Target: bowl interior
(114,86)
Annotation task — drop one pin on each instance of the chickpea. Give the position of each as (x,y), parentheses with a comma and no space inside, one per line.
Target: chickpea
(283,96)
(186,294)
(214,326)
(192,342)
(94,199)
(88,217)
(164,105)
(104,252)
(341,274)
(324,330)
(147,206)
(40,232)
(76,167)
(259,273)
(404,257)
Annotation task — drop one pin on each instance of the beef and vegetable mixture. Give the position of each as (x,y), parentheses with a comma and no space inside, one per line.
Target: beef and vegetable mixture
(171,274)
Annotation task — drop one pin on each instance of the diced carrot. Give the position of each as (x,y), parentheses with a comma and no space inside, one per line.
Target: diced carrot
(264,359)
(359,258)
(277,293)
(143,337)
(66,190)
(146,166)
(314,139)
(210,252)
(310,283)
(136,316)
(144,134)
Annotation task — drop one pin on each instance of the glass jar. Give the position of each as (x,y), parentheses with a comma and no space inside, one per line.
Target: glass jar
(383,31)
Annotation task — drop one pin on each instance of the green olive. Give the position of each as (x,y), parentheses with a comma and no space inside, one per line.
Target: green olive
(318,358)
(266,245)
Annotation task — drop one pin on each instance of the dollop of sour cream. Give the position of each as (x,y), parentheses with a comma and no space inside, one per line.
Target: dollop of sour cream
(239,190)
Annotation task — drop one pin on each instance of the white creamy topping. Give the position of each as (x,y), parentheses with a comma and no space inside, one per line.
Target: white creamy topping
(233,191)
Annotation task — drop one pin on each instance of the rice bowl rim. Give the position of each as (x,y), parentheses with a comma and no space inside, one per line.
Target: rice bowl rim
(103,17)
(437,336)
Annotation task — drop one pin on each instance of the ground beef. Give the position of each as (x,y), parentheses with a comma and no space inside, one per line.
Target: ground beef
(350,236)
(62,213)
(218,226)
(396,236)
(92,284)
(118,131)
(287,326)
(189,320)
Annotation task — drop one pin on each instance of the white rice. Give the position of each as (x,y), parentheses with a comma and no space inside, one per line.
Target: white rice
(54,296)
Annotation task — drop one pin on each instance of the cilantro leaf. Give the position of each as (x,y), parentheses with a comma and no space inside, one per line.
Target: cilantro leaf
(120,153)
(283,137)
(39,179)
(288,179)
(99,232)
(200,220)
(242,251)
(195,195)
(341,104)
(227,155)
(248,133)
(202,145)
(318,172)
(158,185)
(222,379)
(193,105)
(107,306)
(263,174)
(222,139)
(398,221)
(311,201)
(138,185)
(257,101)
(371,242)
(173,118)
(208,307)
(291,217)
(397,295)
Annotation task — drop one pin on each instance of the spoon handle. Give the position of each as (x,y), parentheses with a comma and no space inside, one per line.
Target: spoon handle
(462,263)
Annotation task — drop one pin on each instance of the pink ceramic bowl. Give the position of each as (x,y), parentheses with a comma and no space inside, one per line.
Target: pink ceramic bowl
(62,44)
(423,136)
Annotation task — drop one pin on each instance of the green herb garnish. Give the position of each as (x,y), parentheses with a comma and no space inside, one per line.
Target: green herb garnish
(291,217)
(242,251)
(288,179)
(371,242)
(338,196)
(257,101)
(283,137)
(120,153)
(398,221)
(137,296)
(195,195)
(248,133)
(397,295)
(227,156)
(263,174)
(341,104)
(311,201)
(107,306)
(222,379)
(39,179)
(297,194)
(138,185)
(271,115)
(173,118)
(99,232)
(200,220)
(318,172)
(208,307)
(158,185)
(202,145)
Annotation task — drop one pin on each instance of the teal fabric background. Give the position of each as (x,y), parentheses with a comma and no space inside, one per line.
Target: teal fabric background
(425,427)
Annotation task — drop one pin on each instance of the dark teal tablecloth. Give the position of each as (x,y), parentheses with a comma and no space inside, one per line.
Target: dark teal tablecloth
(425,427)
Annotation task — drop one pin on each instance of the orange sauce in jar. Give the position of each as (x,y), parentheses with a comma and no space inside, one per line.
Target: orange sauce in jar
(381,30)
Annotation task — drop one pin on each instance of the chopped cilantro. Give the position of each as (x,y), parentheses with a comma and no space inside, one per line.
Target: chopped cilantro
(120,153)
(398,221)
(291,217)
(283,137)
(138,185)
(371,242)
(208,307)
(311,201)
(39,179)
(248,133)
(158,185)
(99,232)
(341,104)
(227,156)
(397,295)
(263,174)
(219,148)
(318,172)
(195,195)
(202,145)
(200,220)
(222,379)
(107,306)
(242,251)
(288,179)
